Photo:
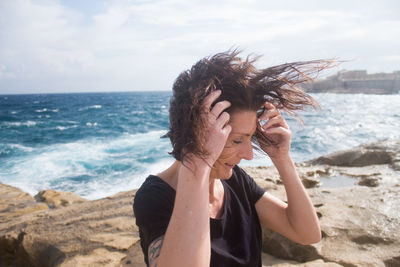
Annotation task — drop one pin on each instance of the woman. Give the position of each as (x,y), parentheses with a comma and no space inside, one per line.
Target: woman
(204,210)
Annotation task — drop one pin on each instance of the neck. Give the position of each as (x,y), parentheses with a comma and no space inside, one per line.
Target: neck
(170,175)
(213,189)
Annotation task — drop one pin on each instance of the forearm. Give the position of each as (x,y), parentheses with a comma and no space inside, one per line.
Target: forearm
(300,211)
(187,240)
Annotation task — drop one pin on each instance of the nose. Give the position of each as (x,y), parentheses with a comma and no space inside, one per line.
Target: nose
(246,151)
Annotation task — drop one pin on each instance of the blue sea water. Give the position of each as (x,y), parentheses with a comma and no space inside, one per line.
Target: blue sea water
(98,144)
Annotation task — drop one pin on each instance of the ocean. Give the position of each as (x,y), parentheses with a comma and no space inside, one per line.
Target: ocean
(97,144)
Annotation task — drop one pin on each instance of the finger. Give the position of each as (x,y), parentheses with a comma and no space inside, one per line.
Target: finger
(219,108)
(211,98)
(276,121)
(269,105)
(227,129)
(223,120)
(277,131)
(271,111)
(269,114)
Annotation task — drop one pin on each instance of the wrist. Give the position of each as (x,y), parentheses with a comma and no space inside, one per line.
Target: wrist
(196,164)
(282,161)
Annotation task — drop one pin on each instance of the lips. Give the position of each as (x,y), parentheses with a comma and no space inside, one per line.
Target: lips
(230,165)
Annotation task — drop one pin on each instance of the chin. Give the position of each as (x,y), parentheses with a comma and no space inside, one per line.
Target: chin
(222,172)
(226,176)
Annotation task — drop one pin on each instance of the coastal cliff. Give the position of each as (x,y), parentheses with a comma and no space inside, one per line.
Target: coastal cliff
(357,82)
(355,192)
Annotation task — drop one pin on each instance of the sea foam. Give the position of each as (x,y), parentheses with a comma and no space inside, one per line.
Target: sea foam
(99,144)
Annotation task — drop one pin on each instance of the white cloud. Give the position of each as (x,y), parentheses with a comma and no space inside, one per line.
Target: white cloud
(143,45)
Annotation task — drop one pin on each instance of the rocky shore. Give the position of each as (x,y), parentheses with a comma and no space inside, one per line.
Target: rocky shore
(356,194)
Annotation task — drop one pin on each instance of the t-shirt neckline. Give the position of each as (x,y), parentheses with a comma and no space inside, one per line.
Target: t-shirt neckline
(226,196)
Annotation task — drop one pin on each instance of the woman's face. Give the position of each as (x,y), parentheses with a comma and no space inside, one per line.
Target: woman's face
(238,146)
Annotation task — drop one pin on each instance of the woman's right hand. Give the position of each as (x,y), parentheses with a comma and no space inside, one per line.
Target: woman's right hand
(218,128)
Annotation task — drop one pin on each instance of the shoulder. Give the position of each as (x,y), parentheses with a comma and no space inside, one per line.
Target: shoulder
(239,177)
(152,197)
(153,190)
(243,183)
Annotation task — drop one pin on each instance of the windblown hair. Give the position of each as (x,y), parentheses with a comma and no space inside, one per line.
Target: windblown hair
(244,86)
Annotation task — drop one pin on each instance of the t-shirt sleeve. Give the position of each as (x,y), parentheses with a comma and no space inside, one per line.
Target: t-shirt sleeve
(253,190)
(152,208)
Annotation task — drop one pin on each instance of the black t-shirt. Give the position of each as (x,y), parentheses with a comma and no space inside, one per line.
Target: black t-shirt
(235,237)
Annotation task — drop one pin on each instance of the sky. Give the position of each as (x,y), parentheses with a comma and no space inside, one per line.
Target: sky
(63,46)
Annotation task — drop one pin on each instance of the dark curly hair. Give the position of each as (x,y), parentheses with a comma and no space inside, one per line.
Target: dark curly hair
(243,85)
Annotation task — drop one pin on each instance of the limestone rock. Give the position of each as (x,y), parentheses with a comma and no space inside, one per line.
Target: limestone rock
(282,247)
(359,228)
(134,257)
(92,233)
(359,223)
(392,262)
(14,203)
(310,182)
(369,181)
(13,253)
(383,152)
(270,261)
(96,257)
(55,199)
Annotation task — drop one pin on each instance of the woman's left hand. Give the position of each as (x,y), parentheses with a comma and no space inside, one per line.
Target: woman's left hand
(276,130)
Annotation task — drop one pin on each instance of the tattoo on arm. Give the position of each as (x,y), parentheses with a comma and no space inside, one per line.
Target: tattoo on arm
(154,251)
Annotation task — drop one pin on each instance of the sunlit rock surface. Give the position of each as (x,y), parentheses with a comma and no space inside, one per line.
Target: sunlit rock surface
(358,206)
(55,199)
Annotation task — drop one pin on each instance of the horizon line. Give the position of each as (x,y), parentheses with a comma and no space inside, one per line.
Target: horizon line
(84,92)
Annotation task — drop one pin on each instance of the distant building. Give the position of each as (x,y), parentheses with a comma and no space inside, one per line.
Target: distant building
(356,82)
